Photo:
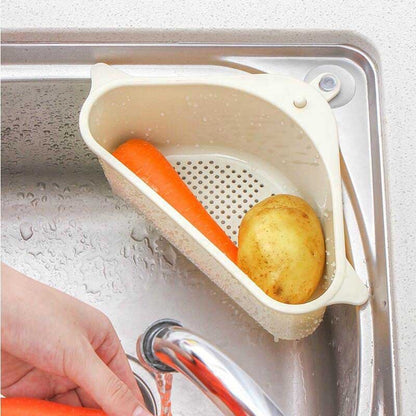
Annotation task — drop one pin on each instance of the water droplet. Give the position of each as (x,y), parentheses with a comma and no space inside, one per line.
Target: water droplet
(44,198)
(125,252)
(84,187)
(20,195)
(92,290)
(42,186)
(138,234)
(204,119)
(34,202)
(162,114)
(26,230)
(29,195)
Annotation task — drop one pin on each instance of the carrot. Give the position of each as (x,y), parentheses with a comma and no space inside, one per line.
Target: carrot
(151,166)
(22,406)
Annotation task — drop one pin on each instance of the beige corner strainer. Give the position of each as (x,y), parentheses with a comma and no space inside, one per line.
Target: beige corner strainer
(234,140)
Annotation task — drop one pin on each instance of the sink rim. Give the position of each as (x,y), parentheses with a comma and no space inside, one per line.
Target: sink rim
(375,316)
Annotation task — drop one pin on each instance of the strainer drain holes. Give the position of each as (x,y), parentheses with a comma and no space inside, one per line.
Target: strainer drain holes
(227,191)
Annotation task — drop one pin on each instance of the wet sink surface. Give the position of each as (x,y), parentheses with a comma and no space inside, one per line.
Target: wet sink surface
(62,225)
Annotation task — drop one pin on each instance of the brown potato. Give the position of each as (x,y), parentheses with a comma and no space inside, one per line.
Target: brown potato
(281,248)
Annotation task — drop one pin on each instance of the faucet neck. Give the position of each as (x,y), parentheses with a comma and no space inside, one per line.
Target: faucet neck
(167,346)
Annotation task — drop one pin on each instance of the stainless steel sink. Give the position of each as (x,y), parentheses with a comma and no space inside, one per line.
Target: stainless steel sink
(62,225)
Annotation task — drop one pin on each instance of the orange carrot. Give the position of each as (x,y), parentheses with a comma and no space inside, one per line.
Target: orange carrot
(22,406)
(151,166)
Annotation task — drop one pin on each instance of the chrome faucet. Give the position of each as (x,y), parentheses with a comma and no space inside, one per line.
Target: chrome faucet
(166,347)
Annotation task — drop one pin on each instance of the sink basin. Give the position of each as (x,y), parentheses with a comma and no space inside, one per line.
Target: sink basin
(63,226)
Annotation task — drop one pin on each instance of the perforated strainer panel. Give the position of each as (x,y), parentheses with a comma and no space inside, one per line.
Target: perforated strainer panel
(227,187)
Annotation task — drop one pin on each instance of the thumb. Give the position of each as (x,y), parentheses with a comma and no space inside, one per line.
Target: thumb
(110,393)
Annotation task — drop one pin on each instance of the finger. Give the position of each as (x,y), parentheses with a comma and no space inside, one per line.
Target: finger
(95,377)
(70,398)
(120,366)
(112,353)
(36,383)
(86,399)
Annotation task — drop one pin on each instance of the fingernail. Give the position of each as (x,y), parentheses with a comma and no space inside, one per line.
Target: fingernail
(139,411)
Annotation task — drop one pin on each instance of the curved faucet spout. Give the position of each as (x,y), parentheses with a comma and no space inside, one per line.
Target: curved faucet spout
(167,346)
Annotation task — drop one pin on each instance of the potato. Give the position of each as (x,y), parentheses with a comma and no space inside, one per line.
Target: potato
(281,248)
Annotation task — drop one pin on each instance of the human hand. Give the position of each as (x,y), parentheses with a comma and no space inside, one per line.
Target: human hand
(58,348)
